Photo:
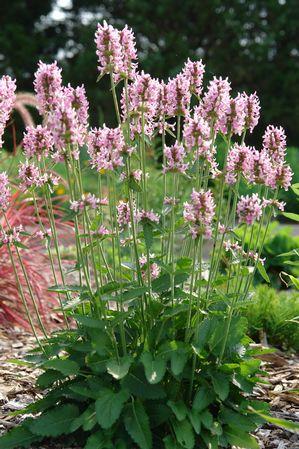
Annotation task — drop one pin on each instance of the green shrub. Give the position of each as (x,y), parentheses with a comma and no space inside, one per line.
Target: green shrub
(276,315)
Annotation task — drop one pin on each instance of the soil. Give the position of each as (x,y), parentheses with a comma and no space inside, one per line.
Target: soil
(17,390)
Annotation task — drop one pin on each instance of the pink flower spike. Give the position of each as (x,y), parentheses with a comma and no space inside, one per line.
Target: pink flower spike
(215,105)
(7,99)
(5,193)
(194,71)
(174,158)
(47,86)
(109,52)
(252,110)
(200,213)
(249,208)
(37,141)
(274,143)
(240,161)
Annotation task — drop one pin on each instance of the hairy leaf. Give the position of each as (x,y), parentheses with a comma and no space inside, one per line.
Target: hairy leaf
(137,425)
(109,406)
(55,422)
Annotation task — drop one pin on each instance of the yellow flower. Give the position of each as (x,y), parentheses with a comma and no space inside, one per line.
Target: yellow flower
(102,171)
(60,190)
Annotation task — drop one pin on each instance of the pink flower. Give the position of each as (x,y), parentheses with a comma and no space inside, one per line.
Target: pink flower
(30,176)
(37,141)
(148,215)
(142,103)
(252,110)
(239,162)
(4,191)
(106,147)
(194,71)
(200,213)
(109,51)
(89,200)
(249,208)
(282,176)
(178,95)
(215,105)
(262,170)
(123,214)
(11,236)
(280,205)
(155,270)
(101,231)
(274,143)
(7,99)
(46,234)
(47,85)
(129,53)
(235,119)
(197,135)
(174,158)
(67,121)
(76,97)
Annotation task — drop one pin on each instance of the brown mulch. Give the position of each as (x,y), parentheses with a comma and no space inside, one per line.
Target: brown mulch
(17,390)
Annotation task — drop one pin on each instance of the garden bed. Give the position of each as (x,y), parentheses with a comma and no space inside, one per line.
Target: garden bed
(17,390)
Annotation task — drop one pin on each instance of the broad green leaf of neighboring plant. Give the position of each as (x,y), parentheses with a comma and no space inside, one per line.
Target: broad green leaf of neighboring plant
(109,406)
(179,409)
(119,368)
(154,367)
(137,425)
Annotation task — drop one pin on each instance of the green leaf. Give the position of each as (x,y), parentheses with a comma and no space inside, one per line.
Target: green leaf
(133,184)
(137,384)
(179,409)
(169,443)
(119,368)
(66,288)
(221,385)
(207,419)
(286,424)
(137,425)
(64,366)
(48,378)
(148,234)
(154,367)
(202,399)
(262,271)
(184,433)
(88,416)
(18,437)
(55,422)
(194,418)
(178,359)
(96,441)
(88,321)
(241,439)
(109,406)
(291,216)
(236,420)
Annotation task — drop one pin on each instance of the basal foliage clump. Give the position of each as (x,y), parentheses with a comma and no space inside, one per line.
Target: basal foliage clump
(154,353)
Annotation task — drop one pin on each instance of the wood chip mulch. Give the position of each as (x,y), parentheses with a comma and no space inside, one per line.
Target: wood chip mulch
(17,390)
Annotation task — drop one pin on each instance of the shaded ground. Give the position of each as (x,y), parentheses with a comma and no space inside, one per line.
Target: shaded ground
(17,390)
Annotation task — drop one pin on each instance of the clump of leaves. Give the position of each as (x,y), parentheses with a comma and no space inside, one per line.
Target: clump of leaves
(168,390)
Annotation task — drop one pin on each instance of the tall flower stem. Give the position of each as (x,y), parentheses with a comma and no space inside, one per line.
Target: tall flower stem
(50,257)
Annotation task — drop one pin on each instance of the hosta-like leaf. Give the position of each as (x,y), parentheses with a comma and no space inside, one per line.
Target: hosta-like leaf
(119,368)
(194,418)
(109,406)
(137,425)
(55,422)
(64,366)
(154,367)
